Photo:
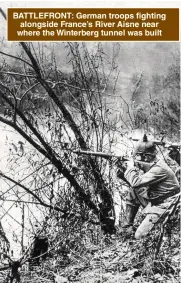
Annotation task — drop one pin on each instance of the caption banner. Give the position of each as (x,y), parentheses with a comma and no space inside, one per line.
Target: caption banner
(84,24)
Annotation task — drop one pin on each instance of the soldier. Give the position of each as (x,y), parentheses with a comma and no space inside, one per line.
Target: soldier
(153,187)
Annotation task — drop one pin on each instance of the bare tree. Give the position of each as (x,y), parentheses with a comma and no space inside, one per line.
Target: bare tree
(55,113)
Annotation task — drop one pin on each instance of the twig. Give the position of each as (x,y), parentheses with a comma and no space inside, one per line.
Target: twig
(32,193)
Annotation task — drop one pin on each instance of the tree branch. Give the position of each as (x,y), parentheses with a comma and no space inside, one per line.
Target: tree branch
(15,57)
(17,74)
(31,193)
(57,163)
(24,135)
(66,114)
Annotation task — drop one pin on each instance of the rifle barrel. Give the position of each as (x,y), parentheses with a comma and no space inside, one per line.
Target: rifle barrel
(100,154)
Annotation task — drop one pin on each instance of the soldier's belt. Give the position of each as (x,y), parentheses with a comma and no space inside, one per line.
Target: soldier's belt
(160,199)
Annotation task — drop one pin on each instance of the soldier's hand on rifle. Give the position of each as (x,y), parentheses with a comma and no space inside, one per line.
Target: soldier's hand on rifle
(144,166)
(123,167)
(130,163)
(127,164)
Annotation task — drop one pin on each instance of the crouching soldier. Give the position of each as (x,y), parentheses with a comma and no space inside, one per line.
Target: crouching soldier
(154,186)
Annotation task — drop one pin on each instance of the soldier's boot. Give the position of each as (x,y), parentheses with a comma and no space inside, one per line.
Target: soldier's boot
(127,227)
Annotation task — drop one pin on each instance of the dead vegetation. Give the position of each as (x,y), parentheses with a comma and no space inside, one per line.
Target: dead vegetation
(55,114)
(111,258)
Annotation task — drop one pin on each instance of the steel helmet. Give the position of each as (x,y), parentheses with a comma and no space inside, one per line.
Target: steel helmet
(145,146)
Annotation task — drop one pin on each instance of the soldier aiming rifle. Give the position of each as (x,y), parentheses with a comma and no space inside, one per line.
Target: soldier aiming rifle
(153,185)
(174,153)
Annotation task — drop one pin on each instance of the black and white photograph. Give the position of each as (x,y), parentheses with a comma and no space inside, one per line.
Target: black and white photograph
(89,161)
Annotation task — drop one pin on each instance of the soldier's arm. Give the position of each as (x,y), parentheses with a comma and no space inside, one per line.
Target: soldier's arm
(153,176)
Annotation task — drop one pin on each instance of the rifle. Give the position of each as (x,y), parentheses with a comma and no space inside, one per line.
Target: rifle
(101,154)
(119,158)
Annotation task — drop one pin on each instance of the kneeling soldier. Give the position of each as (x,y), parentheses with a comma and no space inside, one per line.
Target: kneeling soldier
(153,188)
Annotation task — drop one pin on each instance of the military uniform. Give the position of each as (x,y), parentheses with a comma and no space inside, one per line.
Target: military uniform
(152,187)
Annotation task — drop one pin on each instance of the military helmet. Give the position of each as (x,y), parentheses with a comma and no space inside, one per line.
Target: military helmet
(144,146)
